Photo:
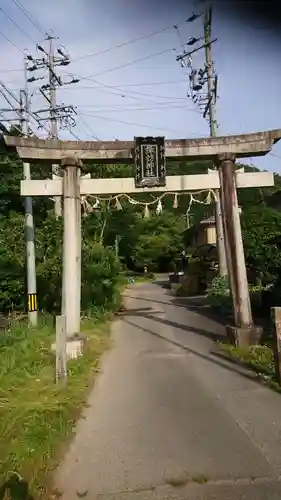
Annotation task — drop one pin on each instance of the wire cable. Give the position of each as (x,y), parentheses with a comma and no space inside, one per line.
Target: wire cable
(87,127)
(12,43)
(74,135)
(128,92)
(128,64)
(132,123)
(29,16)
(129,42)
(9,70)
(156,108)
(123,85)
(16,24)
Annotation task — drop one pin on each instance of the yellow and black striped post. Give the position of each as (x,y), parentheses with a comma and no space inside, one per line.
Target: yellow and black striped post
(32,302)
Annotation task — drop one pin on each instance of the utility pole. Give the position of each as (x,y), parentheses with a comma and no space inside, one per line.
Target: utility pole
(54,125)
(55,114)
(29,221)
(207,105)
(21,108)
(211,108)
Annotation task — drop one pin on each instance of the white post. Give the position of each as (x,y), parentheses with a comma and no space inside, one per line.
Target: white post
(30,254)
(61,354)
(71,281)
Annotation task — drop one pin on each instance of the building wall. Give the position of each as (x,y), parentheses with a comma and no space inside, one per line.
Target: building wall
(211,235)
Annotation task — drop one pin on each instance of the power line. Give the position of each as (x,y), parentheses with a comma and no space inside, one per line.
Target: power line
(133,40)
(133,123)
(275,155)
(12,43)
(74,135)
(126,95)
(128,92)
(156,108)
(16,24)
(148,84)
(87,127)
(29,16)
(142,84)
(10,70)
(128,63)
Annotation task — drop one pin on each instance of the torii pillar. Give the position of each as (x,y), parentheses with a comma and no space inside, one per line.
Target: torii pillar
(244,332)
(71,275)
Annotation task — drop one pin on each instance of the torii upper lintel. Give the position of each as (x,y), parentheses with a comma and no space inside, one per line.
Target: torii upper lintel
(53,150)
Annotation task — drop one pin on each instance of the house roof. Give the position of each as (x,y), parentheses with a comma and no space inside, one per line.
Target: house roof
(208,222)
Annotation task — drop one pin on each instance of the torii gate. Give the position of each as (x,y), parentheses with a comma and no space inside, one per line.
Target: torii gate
(224,150)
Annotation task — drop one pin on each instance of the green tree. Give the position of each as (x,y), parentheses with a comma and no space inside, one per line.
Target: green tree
(159,241)
(261,224)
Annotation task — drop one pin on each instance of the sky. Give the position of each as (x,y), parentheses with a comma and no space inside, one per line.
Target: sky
(140,89)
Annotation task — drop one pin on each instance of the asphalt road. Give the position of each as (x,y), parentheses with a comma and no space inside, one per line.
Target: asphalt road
(169,418)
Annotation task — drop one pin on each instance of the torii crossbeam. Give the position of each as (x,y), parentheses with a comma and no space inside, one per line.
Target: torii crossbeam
(242,146)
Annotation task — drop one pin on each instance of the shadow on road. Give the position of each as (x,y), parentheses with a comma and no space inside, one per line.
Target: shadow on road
(200,306)
(196,304)
(151,314)
(213,356)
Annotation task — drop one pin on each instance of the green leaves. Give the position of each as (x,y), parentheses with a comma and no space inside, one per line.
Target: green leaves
(260,225)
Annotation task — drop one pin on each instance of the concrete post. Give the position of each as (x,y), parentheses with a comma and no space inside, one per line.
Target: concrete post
(220,238)
(71,281)
(30,254)
(61,350)
(276,336)
(244,332)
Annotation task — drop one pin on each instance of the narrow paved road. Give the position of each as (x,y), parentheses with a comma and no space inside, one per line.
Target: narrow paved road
(169,418)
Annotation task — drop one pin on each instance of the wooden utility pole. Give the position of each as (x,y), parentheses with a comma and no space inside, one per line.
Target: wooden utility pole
(213,132)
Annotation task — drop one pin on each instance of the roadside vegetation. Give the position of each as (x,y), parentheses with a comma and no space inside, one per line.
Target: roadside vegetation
(258,358)
(37,417)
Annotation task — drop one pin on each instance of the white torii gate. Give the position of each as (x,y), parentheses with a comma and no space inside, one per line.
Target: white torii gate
(73,185)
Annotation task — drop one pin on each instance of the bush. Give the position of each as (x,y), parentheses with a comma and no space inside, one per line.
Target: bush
(218,296)
(100,268)
(100,278)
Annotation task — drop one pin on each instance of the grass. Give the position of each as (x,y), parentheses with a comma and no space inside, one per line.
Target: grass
(36,417)
(259,358)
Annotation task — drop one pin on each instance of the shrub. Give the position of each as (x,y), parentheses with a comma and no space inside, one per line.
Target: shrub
(218,296)
(100,277)
(100,268)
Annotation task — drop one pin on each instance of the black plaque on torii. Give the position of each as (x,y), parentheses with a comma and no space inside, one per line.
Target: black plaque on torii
(150,162)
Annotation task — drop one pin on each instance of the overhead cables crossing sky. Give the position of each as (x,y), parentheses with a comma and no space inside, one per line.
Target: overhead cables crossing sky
(134,40)
(30,17)
(16,24)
